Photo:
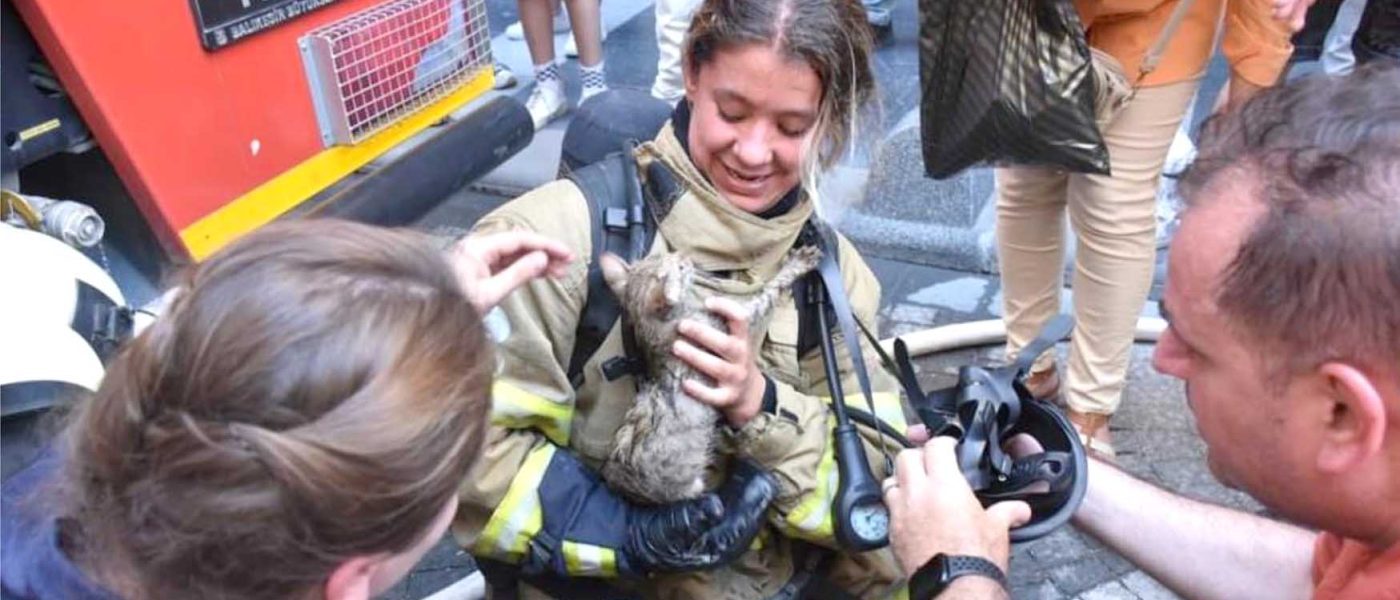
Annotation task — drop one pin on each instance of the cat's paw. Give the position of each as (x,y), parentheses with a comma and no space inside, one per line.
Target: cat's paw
(805,258)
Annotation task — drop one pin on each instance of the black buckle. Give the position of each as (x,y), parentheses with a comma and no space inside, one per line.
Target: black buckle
(621,366)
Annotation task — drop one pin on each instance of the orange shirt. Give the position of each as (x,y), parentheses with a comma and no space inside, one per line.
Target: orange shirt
(1256,45)
(1347,569)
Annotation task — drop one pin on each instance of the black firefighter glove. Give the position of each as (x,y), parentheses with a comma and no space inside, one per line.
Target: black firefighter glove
(577,510)
(707,532)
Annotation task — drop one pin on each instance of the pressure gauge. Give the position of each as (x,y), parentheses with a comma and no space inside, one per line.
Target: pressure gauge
(862,521)
(871,521)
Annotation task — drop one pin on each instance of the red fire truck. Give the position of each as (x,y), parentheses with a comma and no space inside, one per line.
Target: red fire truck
(155,132)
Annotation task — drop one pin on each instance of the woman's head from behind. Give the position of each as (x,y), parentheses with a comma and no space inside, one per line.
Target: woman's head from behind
(775,88)
(297,421)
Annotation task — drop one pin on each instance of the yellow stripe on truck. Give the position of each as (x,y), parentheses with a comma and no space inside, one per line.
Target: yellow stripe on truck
(280,194)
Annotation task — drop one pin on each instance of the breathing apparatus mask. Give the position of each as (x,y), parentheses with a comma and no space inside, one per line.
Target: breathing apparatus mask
(986,408)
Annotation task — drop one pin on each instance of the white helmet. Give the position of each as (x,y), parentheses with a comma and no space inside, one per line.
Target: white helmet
(61,316)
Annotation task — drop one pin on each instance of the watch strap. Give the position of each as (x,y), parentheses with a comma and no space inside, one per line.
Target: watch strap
(935,576)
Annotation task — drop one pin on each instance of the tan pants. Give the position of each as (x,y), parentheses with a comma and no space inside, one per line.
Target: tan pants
(1114,219)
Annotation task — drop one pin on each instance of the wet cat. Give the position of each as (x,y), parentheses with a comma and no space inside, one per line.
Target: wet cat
(667,438)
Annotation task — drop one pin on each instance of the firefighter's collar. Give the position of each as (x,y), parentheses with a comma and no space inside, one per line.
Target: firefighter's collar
(716,235)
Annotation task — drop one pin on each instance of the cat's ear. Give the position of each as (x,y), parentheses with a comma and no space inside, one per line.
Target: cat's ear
(615,272)
(675,284)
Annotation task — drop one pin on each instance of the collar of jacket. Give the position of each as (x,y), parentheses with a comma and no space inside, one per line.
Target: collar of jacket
(716,235)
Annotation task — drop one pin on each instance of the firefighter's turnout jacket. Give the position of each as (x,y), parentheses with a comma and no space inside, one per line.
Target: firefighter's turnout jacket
(537,413)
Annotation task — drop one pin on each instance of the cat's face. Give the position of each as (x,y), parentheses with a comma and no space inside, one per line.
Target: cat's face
(651,288)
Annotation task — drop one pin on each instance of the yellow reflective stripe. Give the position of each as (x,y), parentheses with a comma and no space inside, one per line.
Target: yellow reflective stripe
(902,593)
(519,517)
(811,519)
(587,559)
(759,540)
(515,408)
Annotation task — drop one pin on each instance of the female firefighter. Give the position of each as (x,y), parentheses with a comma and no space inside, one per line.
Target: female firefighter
(773,88)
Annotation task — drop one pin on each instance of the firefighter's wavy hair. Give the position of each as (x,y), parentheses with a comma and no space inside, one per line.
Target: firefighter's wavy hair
(316,392)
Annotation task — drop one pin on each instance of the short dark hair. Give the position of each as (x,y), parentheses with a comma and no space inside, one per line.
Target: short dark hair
(1318,277)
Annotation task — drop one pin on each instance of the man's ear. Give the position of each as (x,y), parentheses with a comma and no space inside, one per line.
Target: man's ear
(615,272)
(352,579)
(1355,425)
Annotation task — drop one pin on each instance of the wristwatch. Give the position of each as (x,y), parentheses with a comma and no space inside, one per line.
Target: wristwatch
(936,574)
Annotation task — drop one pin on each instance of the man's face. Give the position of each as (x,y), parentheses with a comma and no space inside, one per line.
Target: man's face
(1249,423)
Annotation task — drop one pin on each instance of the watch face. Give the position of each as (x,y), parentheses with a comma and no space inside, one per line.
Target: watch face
(870,521)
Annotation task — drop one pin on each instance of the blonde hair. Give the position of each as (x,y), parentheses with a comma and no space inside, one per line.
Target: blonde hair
(317,391)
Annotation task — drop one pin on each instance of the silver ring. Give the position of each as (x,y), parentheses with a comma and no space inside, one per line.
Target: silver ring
(888,484)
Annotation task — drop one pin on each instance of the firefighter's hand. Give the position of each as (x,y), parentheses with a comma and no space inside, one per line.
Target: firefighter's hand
(490,266)
(932,510)
(705,533)
(737,391)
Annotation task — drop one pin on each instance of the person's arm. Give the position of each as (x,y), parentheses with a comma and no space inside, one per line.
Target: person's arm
(530,500)
(491,266)
(1198,550)
(1256,44)
(532,401)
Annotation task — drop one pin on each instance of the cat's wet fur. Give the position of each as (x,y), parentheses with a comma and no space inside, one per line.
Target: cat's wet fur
(667,438)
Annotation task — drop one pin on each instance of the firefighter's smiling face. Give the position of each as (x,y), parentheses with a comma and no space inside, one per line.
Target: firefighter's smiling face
(753,112)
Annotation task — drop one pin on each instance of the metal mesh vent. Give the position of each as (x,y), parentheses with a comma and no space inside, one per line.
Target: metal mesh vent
(375,66)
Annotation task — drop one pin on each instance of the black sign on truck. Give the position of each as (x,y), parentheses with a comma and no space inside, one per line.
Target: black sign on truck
(223,22)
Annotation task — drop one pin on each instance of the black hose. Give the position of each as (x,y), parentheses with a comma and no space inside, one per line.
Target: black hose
(865,418)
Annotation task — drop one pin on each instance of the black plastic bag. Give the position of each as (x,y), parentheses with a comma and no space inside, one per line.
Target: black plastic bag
(1006,82)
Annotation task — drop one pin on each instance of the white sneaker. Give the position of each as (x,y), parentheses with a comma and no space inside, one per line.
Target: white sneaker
(516,31)
(503,76)
(546,103)
(571,46)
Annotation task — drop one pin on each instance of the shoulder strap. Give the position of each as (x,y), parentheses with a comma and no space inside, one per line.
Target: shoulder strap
(839,302)
(1154,52)
(620,225)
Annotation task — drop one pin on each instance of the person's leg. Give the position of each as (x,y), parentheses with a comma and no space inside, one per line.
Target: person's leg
(1337,58)
(535,18)
(516,31)
(571,46)
(878,12)
(547,100)
(586,17)
(672,23)
(1030,252)
(1114,219)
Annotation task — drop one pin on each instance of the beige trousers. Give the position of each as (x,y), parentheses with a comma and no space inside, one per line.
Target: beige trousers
(1114,220)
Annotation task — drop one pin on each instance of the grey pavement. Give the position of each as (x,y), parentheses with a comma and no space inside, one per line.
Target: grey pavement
(931,244)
